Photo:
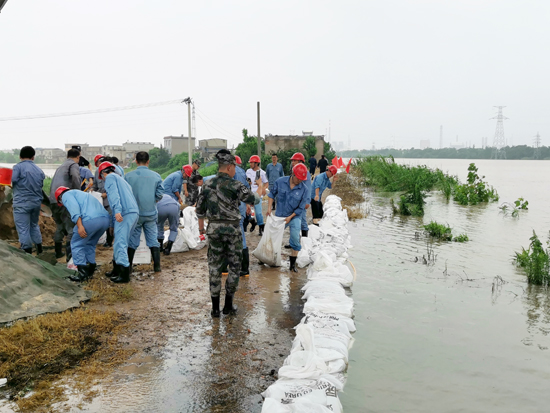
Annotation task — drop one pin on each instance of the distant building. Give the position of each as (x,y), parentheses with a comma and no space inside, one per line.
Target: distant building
(274,143)
(178,144)
(51,155)
(424,143)
(125,152)
(208,147)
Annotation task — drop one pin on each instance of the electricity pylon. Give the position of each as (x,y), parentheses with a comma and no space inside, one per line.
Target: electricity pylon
(499,142)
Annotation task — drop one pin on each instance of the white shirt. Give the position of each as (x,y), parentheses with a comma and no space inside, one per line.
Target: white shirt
(251,174)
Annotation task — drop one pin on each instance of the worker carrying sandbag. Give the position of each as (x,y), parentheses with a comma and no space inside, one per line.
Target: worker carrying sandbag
(292,196)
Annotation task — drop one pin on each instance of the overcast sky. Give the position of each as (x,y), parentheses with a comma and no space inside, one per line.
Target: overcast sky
(380,71)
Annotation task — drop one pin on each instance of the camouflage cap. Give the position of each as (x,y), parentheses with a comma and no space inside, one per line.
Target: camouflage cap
(198,162)
(224,157)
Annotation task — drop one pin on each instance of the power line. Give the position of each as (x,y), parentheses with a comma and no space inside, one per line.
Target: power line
(88,112)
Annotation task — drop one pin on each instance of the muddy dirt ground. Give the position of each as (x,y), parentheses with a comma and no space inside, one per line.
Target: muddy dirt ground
(185,360)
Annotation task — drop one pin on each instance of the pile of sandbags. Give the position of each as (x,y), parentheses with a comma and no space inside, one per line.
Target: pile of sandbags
(314,372)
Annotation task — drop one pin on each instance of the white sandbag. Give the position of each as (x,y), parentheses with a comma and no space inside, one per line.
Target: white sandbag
(188,237)
(338,272)
(191,222)
(179,244)
(322,262)
(71,265)
(314,233)
(328,306)
(103,239)
(324,289)
(143,253)
(304,256)
(303,365)
(315,317)
(273,406)
(268,250)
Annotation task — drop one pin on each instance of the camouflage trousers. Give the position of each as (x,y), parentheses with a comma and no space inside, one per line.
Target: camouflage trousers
(225,245)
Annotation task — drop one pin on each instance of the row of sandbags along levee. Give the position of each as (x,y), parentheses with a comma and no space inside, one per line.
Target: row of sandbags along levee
(314,372)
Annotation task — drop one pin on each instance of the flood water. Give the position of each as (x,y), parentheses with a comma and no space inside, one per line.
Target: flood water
(448,337)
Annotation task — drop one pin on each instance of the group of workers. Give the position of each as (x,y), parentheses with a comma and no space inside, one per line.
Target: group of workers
(141,201)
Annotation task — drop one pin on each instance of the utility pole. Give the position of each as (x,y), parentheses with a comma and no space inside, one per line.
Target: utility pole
(536,154)
(259,137)
(499,142)
(188,102)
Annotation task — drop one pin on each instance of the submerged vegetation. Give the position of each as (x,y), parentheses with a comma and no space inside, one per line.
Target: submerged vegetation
(443,232)
(414,182)
(534,261)
(513,209)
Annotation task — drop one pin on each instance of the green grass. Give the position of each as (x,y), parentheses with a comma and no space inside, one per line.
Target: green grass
(534,261)
(438,231)
(461,238)
(46,185)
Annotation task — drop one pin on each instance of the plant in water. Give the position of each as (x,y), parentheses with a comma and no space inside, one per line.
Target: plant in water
(519,204)
(475,190)
(535,261)
(438,231)
(461,238)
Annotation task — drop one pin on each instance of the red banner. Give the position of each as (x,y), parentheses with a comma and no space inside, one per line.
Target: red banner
(340,162)
(349,166)
(335,161)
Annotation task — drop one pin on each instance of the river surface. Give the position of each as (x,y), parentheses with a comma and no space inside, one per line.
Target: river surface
(451,336)
(49,169)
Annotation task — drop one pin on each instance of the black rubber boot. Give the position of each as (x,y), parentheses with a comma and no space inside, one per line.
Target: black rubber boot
(252,225)
(161,244)
(305,232)
(131,253)
(110,238)
(91,270)
(293,264)
(215,307)
(68,252)
(262,229)
(28,250)
(59,250)
(114,272)
(155,252)
(81,275)
(39,249)
(229,308)
(168,248)
(124,276)
(245,263)
(287,246)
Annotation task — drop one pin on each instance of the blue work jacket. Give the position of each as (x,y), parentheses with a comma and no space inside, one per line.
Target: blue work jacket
(322,182)
(173,183)
(83,205)
(120,195)
(27,180)
(147,188)
(274,172)
(289,200)
(120,170)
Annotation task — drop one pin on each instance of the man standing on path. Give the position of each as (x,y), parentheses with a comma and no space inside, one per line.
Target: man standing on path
(191,189)
(174,182)
(168,209)
(323,164)
(258,178)
(125,211)
(295,160)
(320,183)
(27,181)
(148,190)
(219,203)
(274,171)
(292,194)
(68,175)
(312,165)
(91,220)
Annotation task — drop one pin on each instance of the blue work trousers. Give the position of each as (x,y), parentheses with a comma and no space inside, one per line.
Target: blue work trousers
(149,225)
(83,249)
(123,231)
(258,212)
(26,223)
(172,214)
(304,221)
(295,234)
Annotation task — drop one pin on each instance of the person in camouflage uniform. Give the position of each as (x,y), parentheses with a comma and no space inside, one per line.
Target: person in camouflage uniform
(191,186)
(219,203)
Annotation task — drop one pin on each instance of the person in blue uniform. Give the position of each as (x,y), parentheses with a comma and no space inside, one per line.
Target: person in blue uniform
(27,180)
(320,183)
(174,182)
(168,209)
(291,193)
(295,160)
(119,168)
(91,221)
(126,212)
(148,190)
(86,177)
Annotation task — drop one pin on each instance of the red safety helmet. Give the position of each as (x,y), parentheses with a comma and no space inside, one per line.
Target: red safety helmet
(300,171)
(333,170)
(58,192)
(104,166)
(254,158)
(188,169)
(97,158)
(298,156)
(238,160)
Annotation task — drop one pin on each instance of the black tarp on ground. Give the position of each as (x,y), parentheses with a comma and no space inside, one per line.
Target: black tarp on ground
(29,286)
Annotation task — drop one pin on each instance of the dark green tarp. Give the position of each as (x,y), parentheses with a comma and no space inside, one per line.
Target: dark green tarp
(29,286)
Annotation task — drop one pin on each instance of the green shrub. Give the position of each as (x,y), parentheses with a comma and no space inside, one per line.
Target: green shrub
(475,190)
(438,231)
(461,238)
(535,262)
